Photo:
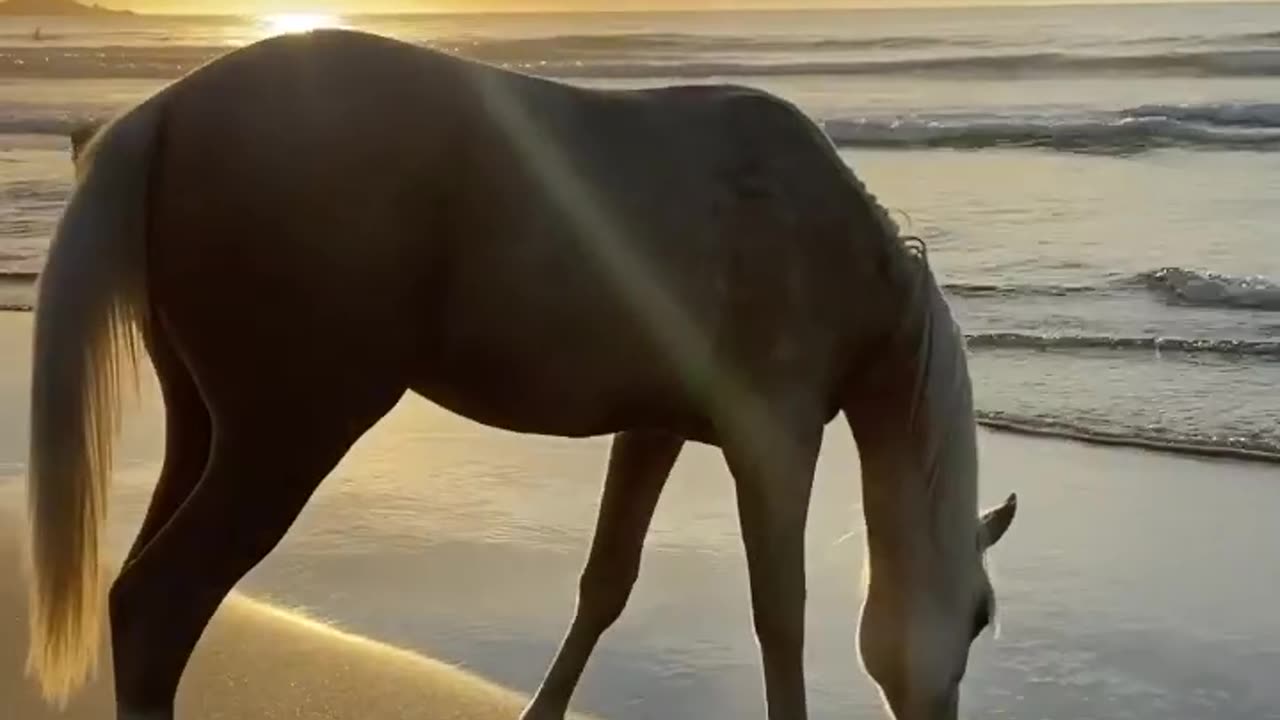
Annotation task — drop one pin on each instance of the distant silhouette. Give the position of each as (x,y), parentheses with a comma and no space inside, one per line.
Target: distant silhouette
(309,227)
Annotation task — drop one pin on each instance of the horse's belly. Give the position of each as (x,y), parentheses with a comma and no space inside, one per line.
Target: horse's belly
(535,383)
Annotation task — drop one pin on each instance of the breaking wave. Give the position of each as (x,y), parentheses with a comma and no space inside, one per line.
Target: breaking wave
(1218,126)
(1204,288)
(1027,341)
(1255,115)
(996,290)
(1244,448)
(1263,38)
(1209,63)
(1180,286)
(674,45)
(671,57)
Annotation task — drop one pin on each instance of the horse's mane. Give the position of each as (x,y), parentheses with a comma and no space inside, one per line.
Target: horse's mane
(942,392)
(940,412)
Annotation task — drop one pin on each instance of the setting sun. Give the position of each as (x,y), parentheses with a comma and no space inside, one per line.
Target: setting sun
(299,22)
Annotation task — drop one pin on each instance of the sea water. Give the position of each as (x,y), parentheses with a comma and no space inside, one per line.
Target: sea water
(1097,188)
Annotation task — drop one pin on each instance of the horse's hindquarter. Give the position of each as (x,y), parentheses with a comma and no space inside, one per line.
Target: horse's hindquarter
(295,189)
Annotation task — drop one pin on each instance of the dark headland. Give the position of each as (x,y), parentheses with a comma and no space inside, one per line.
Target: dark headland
(56,8)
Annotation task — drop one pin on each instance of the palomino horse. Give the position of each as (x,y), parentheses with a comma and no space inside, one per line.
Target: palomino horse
(307,228)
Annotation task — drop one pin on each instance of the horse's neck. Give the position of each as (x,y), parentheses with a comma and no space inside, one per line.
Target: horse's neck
(895,502)
(917,445)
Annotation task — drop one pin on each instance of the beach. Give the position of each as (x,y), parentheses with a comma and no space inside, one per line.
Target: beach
(257,661)
(1096,189)
(1132,585)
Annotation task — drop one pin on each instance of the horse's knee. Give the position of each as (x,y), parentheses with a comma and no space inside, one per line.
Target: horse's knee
(779,620)
(602,596)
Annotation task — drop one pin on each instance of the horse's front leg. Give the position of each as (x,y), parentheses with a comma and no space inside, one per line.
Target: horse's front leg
(639,464)
(772,465)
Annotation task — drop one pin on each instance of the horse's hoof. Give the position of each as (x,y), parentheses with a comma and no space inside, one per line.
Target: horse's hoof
(537,714)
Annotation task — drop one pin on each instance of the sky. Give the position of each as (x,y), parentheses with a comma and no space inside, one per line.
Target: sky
(348,6)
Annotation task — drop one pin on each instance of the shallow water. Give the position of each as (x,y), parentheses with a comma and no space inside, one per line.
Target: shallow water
(1086,178)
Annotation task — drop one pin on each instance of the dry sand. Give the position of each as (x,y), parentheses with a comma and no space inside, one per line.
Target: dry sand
(260,662)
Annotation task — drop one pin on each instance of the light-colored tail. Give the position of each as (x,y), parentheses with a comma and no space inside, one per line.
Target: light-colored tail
(91,305)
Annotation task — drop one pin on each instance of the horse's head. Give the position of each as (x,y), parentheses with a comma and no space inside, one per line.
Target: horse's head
(917,626)
(929,595)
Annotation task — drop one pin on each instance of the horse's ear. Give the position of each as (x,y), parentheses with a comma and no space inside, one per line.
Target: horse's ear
(995,522)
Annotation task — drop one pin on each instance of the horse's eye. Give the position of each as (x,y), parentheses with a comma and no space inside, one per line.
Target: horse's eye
(981,617)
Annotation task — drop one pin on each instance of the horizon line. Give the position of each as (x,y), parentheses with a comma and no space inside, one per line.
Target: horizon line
(870,6)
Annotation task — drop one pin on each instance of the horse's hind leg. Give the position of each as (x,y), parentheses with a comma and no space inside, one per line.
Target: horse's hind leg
(188,431)
(639,464)
(261,472)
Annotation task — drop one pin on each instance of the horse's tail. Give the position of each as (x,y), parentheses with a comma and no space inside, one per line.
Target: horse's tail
(91,308)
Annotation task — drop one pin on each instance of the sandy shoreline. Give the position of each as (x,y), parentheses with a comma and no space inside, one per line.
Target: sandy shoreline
(257,661)
(1134,585)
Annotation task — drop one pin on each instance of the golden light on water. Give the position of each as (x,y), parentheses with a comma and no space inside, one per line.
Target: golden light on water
(282,23)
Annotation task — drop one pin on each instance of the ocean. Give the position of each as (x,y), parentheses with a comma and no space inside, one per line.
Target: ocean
(1097,187)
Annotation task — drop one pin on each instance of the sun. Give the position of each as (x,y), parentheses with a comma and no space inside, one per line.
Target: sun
(280,23)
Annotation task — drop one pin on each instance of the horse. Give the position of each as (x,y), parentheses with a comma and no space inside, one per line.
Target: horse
(307,228)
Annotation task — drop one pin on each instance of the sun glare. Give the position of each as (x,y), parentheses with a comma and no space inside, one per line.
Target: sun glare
(299,22)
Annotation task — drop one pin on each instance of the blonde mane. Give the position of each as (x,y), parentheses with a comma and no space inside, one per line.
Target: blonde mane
(941,412)
(940,416)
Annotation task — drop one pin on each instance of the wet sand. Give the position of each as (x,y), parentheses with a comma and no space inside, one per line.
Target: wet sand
(258,661)
(1132,586)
